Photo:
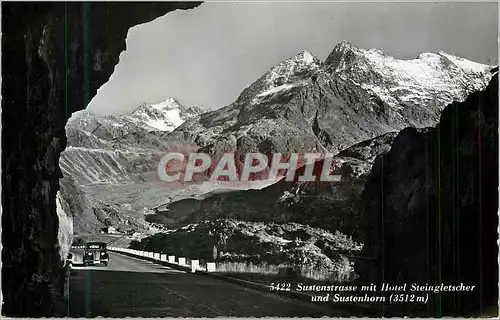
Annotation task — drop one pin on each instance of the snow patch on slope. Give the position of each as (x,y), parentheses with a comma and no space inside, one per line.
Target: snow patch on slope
(289,74)
(466,64)
(285,71)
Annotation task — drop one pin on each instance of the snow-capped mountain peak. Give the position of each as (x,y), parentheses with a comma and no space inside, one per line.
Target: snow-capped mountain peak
(305,57)
(343,46)
(422,80)
(163,116)
(288,70)
(291,73)
(167,104)
(116,148)
(466,64)
(355,94)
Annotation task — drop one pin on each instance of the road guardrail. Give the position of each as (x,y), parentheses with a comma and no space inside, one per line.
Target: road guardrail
(172,261)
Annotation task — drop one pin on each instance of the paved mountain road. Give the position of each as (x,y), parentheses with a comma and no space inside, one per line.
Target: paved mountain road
(137,288)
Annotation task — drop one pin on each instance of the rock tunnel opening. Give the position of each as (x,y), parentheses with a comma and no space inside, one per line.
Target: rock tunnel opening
(46,54)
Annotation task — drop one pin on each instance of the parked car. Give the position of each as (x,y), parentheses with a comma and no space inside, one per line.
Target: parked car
(95,253)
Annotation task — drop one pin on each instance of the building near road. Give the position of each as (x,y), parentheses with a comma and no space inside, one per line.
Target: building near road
(108,230)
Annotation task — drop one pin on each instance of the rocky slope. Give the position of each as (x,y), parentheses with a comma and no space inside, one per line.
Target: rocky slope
(431,208)
(304,104)
(111,152)
(329,205)
(36,102)
(291,244)
(118,148)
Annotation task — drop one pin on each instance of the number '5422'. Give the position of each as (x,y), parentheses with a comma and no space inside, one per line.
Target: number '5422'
(280,286)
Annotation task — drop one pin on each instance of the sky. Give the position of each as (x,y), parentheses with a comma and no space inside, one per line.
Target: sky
(206,56)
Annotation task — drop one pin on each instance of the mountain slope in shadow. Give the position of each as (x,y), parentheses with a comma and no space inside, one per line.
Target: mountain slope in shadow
(431,208)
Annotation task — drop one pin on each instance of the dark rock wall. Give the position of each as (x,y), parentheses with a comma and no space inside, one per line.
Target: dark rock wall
(431,208)
(54,58)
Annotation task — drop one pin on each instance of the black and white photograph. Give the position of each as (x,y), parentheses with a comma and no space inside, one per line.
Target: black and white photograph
(249,159)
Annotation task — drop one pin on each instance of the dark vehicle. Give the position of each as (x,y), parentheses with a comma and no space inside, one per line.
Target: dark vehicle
(95,253)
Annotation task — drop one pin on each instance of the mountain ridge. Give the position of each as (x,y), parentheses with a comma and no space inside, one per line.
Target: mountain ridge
(439,187)
(306,104)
